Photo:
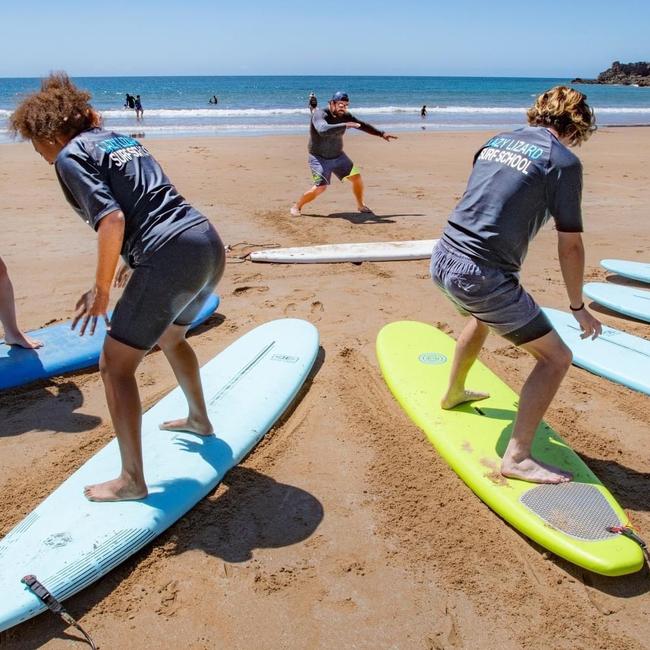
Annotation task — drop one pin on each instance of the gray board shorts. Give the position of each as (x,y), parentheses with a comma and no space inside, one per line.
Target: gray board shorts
(490,294)
(169,287)
(323,168)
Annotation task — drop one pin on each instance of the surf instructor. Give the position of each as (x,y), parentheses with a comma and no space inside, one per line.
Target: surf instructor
(114,184)
(326,156)
(519,180)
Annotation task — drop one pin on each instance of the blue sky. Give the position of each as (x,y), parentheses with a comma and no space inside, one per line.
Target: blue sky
(401,37)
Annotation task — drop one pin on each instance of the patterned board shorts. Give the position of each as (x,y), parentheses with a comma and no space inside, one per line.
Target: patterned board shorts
(323,168)
(491,295)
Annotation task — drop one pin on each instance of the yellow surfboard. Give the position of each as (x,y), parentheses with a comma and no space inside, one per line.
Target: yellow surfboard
(569,519)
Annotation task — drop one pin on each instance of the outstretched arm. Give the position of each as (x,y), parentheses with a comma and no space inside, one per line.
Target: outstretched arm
(572,263)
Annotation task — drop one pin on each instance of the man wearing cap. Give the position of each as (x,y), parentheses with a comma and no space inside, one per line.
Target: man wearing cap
(326,156)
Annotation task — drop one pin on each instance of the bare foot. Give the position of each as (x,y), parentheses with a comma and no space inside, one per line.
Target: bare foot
(534,471)
(190,425)
(22,341)
(365,209)
(294,211)
(454,399)
(119,489)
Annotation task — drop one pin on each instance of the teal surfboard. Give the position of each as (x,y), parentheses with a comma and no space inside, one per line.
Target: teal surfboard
(69,542)
(615,355)
(64,351)
(634,270)
(625,300)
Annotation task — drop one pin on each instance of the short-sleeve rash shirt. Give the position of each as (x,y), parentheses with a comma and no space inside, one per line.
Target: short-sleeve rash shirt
(520,179)
(101,171)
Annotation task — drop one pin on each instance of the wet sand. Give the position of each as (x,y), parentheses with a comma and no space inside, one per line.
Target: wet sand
(343,528)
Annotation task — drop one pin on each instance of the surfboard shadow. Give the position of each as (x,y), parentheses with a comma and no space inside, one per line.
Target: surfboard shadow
(626,282)
(40,407)
(360,218)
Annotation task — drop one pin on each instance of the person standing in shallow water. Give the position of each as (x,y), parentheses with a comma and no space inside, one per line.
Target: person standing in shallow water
(138,108)
(326,156)
(519,180)
(176,256)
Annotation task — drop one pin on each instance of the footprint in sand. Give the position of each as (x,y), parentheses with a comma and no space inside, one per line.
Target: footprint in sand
(238,291)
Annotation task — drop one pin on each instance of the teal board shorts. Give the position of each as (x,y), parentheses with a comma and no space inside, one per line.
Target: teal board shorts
(323,168)
(490,294)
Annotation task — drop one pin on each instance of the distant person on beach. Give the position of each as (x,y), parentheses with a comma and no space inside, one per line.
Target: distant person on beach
(12,333)
(214,100)
(176,257)
(519,180)
(129,102)
(326,155)
(139,112)
(423,111)
(312,102)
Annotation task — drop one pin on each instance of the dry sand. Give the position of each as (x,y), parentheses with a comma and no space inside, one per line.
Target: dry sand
(343,529)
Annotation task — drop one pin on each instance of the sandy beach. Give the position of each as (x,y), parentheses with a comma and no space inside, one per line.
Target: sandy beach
(343,528)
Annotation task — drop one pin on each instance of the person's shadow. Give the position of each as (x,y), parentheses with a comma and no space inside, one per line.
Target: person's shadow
(359,218)
(256,511)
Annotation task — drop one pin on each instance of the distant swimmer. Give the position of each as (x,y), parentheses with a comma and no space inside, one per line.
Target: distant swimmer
(520,178)
(173,259)
(312,102)
(12,333)
(139,112)
(326,155)
(213,100)
(129,102)
(423,111)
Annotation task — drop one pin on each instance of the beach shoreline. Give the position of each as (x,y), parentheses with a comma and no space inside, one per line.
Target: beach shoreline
(405,556)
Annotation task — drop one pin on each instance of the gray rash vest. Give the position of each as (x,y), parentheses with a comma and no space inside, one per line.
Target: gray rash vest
(101,171)
(520,179)
(327,130)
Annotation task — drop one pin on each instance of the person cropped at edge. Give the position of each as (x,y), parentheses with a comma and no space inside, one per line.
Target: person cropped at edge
(519,180)
(114,184)
(326,156)
(12,333)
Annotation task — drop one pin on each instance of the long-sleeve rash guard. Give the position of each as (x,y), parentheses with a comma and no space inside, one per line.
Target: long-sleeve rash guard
(327,130)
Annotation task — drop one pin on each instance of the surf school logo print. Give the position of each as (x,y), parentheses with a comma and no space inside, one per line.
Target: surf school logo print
(122,149)
(432,358)
(512,153)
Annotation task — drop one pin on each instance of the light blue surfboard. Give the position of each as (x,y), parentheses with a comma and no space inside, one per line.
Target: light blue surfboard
(64,350)
(69,542)
(615,355)
(634,270)
(625,300)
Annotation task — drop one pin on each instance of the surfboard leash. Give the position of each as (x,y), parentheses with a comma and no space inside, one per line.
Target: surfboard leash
(32,583)
(628,531)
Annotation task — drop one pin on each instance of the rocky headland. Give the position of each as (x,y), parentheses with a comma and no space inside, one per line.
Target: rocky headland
(628,74)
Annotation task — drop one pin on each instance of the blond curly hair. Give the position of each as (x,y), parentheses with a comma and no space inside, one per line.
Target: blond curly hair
(566,111)
(58,109)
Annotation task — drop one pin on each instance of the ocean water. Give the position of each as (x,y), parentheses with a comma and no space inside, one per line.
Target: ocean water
(266,105)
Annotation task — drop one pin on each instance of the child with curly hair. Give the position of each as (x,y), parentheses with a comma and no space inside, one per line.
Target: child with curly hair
(519,180)
(114,184)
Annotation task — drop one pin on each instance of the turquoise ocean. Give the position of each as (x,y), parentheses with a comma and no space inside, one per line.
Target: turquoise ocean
(266,105)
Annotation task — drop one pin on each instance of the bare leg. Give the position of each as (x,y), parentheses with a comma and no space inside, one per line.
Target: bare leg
(307,197)
(357,190)
(13,334)
(553,361)
(468,346)
(185,365)
(117,365)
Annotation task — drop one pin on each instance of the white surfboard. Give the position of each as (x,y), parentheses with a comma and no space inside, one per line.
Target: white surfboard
(389,251)
(615,355)
(69,542)
(625,300)
(634,270)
